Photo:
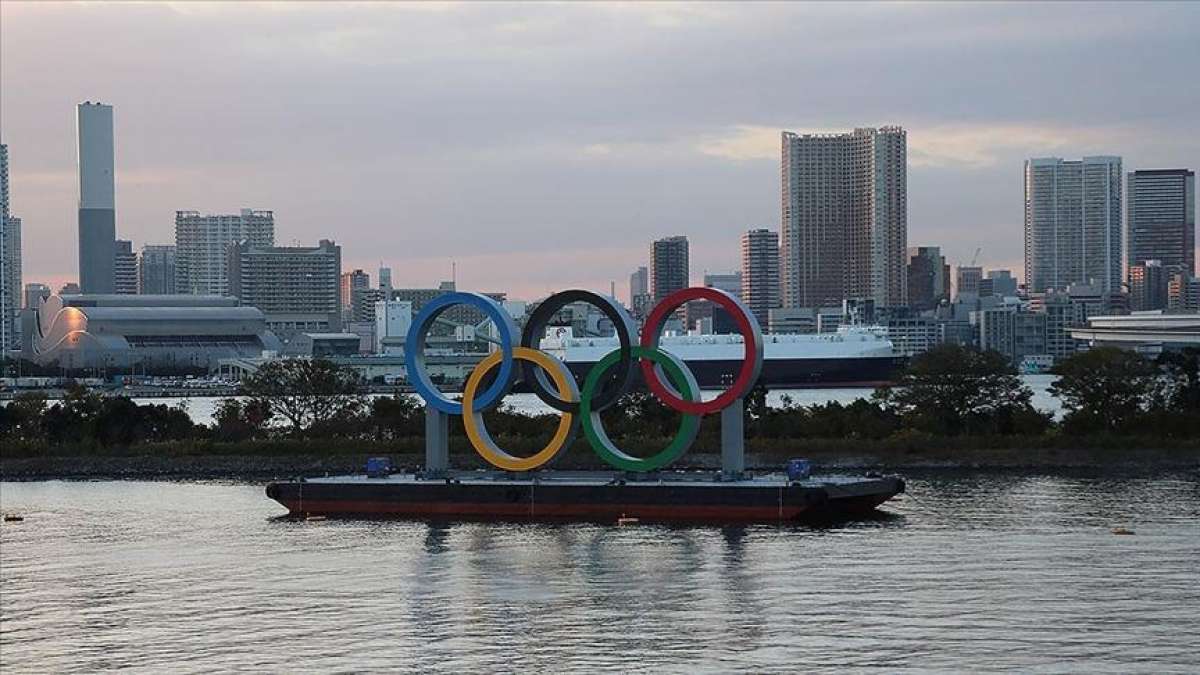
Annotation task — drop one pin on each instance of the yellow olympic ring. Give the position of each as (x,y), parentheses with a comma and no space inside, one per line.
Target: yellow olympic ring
(473,420)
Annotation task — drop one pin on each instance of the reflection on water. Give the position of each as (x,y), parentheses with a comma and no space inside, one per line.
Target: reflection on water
(966,571)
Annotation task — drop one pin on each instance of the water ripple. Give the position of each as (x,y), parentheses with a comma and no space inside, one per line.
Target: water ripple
(973,572)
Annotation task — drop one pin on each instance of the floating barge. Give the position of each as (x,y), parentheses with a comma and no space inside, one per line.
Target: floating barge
(588,496)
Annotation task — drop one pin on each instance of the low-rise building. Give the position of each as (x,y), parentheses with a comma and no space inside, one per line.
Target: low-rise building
(147,332)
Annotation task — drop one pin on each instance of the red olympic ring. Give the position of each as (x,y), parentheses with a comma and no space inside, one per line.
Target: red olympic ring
(747,326)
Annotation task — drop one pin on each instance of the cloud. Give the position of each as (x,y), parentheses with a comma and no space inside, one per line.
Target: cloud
(421,131)
(961,145)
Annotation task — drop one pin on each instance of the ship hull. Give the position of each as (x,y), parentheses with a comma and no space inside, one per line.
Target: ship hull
(788,373)
(600,498)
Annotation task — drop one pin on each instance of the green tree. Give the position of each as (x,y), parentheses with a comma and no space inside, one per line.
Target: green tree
(1181,370)
(1104,389)
(236,420)
(21,419)
(953,389)
(309,394)
(396,416)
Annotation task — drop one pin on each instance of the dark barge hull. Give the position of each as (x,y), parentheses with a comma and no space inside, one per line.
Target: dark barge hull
(785,373)
(586,498)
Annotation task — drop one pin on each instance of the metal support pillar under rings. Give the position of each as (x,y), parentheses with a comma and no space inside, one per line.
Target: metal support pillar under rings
(733,441)
(437,442)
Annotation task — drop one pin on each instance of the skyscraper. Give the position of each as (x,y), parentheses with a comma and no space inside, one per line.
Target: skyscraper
(296,287)
(156,270)
(638,283)
(1161,218)
(385,279)
(97,197)
(1073,223)
(669,267)
(844,229)
(125,272)
(760,272)
(6,302)
(202,247)
(12,260)
(639,292)
(927,276)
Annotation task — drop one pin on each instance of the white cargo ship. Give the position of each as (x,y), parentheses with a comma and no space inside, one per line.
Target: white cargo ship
(854,355)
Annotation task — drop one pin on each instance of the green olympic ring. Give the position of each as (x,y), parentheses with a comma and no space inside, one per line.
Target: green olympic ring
(593,427)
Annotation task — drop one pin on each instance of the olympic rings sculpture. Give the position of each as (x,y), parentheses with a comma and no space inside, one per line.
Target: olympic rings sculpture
(665,375)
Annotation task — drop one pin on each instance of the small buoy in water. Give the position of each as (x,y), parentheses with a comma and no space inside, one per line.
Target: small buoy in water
(310,518)
(12,519)
(624,520)
(1122,530)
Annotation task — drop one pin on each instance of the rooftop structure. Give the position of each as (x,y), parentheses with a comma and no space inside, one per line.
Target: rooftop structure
(1145,332)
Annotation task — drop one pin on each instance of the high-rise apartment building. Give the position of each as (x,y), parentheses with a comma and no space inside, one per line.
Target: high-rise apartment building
(1073,223)
(1148,282)
(296,287)
(928,277)
(12,260)
(351,282)
(97,197)
(156,270)
(844,230)
(202,247)
(125,268)
(6,293)
(352,286)
(760,273)
(669,266)
(1161,218)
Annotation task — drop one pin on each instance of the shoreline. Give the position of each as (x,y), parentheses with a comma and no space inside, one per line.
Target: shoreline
(263,468)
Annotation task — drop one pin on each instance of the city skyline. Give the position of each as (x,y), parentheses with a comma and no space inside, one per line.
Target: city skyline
(703,167)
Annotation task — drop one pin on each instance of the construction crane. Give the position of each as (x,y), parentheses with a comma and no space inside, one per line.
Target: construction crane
(975,257)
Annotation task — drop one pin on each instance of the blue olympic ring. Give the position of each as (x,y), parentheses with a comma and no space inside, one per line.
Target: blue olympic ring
(414,351)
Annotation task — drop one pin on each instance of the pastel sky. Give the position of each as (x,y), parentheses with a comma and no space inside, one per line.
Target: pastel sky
(542,146)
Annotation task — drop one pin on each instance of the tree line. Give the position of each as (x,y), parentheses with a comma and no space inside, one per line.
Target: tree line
(951,391)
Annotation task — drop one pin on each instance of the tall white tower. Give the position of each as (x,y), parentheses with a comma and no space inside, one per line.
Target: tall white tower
(97,197)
